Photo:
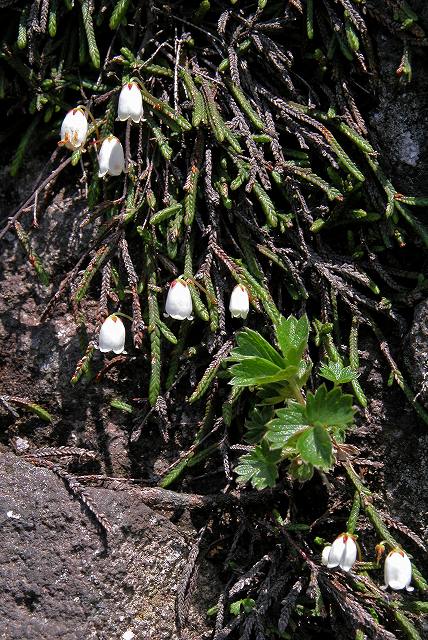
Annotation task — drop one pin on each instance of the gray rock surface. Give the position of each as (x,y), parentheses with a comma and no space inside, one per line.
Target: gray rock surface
(59,581)
(399,119)
(416,354)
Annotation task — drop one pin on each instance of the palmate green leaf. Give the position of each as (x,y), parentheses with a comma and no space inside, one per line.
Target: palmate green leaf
(314,446)
(250,344)
(292,336)
(335,372)
(288,423)
(258,371)
(329,408)
(260,467)
(256,424)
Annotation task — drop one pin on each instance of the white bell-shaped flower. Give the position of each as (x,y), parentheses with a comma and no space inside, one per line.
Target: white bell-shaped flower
(325,554)
(398,570)
(112,335)
(130,103)
(343,552)
(239,305)
(179,301)
(110,158)
(74,129)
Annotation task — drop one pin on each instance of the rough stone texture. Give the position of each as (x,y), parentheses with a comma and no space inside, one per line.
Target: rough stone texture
(399,119)
(59,581)
(393,433)
(416,354)
(390,435)
(40,358)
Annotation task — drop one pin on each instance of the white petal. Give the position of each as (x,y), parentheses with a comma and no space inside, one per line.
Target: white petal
(112,335)
(110,158)
(325,554)
(336,553)
(74,129)
(179,301)
(397,571)
(239,305)
(349,554)
(103,158)
(130,103)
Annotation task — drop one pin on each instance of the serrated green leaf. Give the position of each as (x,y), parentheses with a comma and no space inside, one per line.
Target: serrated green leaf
(300,470)
(258,371)
(329,408)
(314,446)
(275,393)
(292,336)
(259,467)
(288,423)
(335,372)
(256,424)
(250,344)
(303,373)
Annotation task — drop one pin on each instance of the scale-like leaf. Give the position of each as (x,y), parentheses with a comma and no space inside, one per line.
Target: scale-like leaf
(260,467)
(289,422)
(314,446)
(329,408)
(292,336)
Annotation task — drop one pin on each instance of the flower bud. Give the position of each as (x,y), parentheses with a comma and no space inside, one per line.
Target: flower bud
(343,552)
(179,301)
(112,335)
(379,550)
(130,103)
(239,305)
(325,554)
(110,158)
(398,570)
(74,129)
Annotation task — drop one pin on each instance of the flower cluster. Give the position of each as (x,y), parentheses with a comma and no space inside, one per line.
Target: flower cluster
(178,306)
(111,159)
(343,554)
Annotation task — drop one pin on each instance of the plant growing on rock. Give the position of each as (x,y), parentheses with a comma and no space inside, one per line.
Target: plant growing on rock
(247,161)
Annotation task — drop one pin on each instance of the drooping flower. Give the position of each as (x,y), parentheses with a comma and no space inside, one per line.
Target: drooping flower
(74,129)
(398,571)
(130,103)
(110,158)
(239,305)
(179,301)
(325,554)
(343,552)
(112,335)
